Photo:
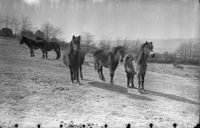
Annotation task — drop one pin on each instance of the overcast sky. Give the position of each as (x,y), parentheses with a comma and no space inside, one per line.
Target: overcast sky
(111,19)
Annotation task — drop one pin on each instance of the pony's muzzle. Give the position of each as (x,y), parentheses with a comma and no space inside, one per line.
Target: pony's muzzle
(152,54)
(121,59)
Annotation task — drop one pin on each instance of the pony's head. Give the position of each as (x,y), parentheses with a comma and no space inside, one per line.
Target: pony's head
(75,43)
(128,57)
(22,40)
(120,50)
(148,49)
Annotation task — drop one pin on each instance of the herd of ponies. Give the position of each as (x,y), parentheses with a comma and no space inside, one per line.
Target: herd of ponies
(74,57)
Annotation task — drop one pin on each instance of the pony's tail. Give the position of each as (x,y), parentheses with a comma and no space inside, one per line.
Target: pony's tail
(95,65)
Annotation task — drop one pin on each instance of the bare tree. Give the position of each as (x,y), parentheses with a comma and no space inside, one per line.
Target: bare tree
(188,51)
(15,24)
(87,38)
(50,31)
(26,24)
(1,20)
(105,44)
(6,21)
(40,34)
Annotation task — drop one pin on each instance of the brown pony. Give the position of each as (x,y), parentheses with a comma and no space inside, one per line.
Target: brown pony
(140,63)
(110,60)
(129,69)
(71,58)
(33,44)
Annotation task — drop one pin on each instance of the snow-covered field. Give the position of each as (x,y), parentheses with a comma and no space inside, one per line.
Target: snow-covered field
(35,90)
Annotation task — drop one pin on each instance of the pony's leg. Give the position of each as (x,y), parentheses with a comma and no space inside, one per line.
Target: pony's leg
(111,76)
(77,74)
(31,52)
(132,81)
(128,79)
(139,82)
(100,72)
(142,81)
(103,78)
(72,74)
(81,74)
(57,50)
(43,53)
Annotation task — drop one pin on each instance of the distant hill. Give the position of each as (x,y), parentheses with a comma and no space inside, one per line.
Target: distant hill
(163,45)
(170,45)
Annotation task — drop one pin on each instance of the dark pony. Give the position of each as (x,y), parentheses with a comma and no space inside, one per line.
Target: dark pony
(140,63)
(33,44)
(71,58)
(50,46)
(110,60)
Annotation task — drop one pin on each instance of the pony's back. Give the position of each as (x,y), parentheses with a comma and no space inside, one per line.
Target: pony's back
(101,55)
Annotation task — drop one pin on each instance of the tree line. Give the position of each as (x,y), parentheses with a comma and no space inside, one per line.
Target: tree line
(187,53)
(13,27)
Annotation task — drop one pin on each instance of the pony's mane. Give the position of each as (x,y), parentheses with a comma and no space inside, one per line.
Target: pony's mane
(26,37)
(115,49)
(141,48)
(143,45)
(39,38)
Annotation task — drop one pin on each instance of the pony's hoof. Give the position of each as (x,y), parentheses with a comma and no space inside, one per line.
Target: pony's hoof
(103,79)
(78,83)
(129,87)
(143,91)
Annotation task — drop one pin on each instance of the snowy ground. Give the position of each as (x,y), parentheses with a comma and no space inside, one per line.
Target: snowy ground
(35,90)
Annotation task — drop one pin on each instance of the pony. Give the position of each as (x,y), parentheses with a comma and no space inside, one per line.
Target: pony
(140,63)
(50,46)
(33,44)
(110,60)
(71,58)
(129,69)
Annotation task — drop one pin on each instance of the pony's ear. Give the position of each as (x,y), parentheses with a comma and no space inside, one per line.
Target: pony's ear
(73,36)
(79,37)
(146,42)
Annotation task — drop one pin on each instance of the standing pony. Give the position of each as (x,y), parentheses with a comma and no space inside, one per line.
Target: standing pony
(140,63)
(71,58)
(110,60)
(50,46)
(129,69)
(33,44)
